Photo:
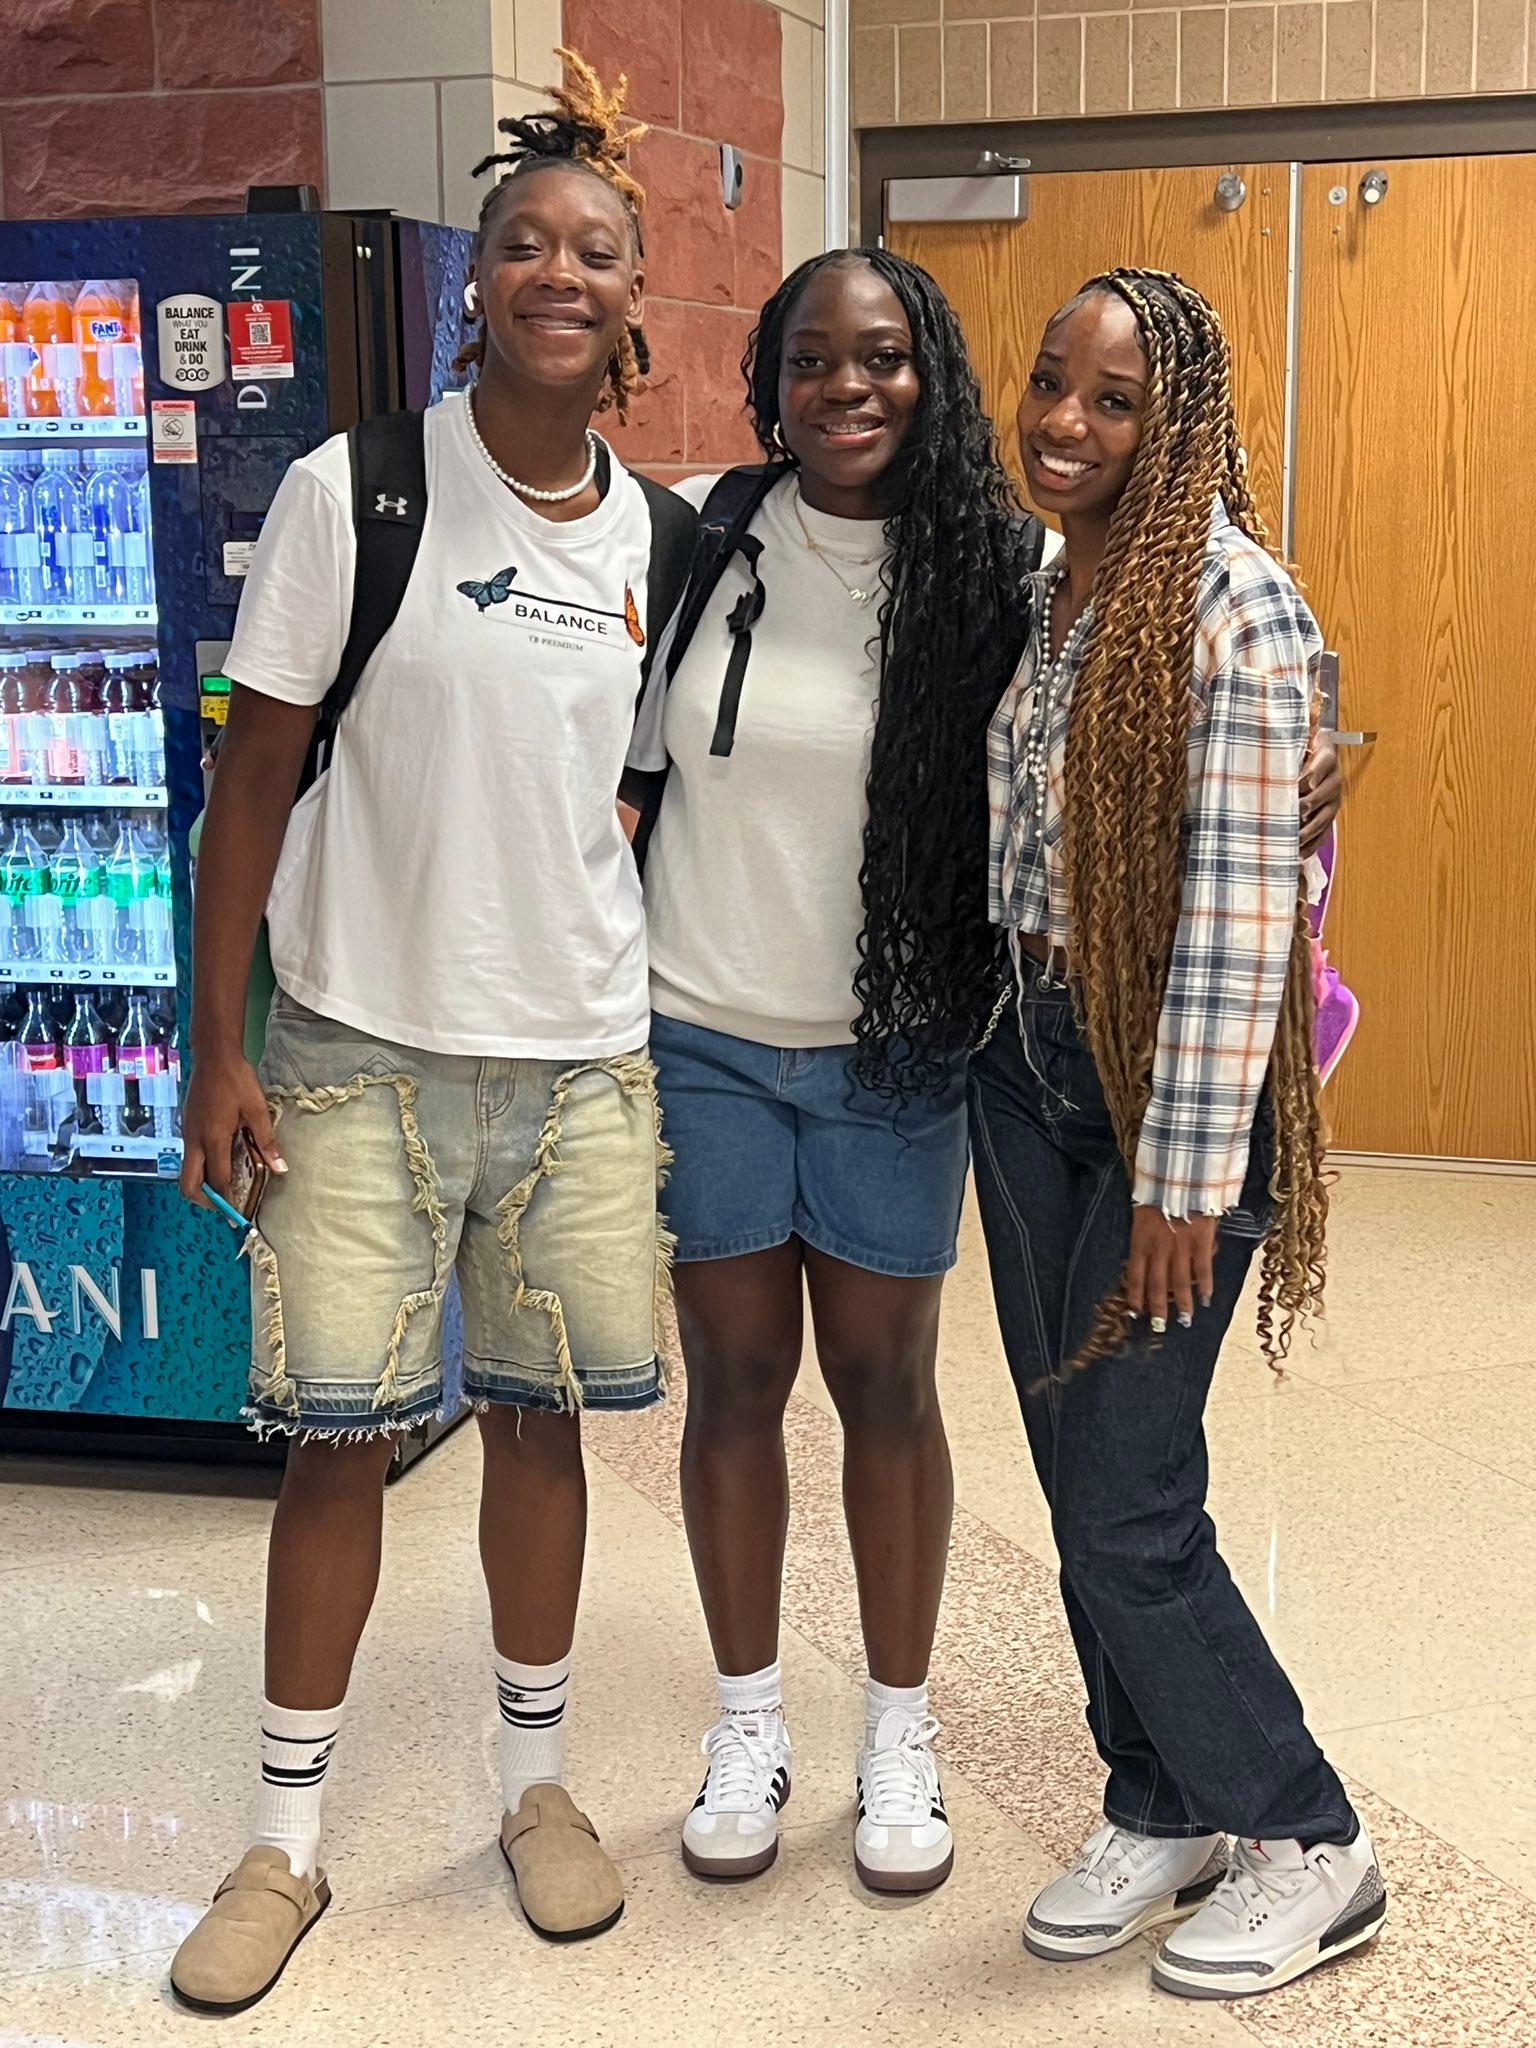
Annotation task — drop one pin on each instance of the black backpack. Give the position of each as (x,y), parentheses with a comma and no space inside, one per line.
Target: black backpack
(728,512)
(389,510)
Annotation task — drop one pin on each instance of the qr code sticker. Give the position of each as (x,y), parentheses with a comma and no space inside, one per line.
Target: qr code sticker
(261,334)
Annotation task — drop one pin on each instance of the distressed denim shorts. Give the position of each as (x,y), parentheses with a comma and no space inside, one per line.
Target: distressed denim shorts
(774,1143)
(535,1181)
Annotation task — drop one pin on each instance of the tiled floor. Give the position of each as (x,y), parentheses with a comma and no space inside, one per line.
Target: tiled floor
(1379,1507)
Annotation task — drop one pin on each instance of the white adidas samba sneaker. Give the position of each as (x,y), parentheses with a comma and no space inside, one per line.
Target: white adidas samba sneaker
(733,1830)
(902,1842)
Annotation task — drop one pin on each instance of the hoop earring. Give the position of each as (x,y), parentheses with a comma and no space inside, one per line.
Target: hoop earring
(472,300)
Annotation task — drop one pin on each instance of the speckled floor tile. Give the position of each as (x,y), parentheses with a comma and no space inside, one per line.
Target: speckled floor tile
(804,1956)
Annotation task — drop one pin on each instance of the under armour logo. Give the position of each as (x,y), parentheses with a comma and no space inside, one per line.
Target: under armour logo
(384,503)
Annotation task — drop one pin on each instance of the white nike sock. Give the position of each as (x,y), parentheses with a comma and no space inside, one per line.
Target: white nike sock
(759,1692)
(879,1699)
(296,1745)
(531,1749)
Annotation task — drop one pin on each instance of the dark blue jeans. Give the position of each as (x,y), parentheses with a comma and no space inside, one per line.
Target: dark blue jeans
(1200,1729)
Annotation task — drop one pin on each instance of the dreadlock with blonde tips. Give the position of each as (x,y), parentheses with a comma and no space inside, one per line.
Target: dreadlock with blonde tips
(1126,777)
(585,130)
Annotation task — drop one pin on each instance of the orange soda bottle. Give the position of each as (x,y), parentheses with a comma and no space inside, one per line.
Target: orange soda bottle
(11,298)
(47,327)
(99,326)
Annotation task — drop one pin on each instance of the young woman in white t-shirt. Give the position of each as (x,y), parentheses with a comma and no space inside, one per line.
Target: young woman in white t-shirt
(458,939)
(821,961)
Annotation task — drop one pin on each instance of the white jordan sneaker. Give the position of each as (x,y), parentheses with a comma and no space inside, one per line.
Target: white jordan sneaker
(1120,1885)
(1279,1912)
(902,1842)
(733,1830)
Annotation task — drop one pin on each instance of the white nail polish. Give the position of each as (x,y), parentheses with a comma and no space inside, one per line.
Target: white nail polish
(1186,1320)
(1159,1326)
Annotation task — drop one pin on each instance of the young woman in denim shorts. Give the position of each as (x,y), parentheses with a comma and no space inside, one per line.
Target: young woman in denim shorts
(456,1077)
(1147,1117)
(821,961)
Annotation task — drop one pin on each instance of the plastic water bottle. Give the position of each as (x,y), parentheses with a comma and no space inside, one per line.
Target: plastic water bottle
(129,881)
(25,878)
(120,703)
(21,578)
(88,1059)
(110,519)
(143,1066)
(76,876)
(58,515)
(159,934)
(146,531)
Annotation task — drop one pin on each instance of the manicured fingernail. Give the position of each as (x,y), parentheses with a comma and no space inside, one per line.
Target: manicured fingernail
(279,1163)
(1205,1301)
(1186,1320)
(1159,1326)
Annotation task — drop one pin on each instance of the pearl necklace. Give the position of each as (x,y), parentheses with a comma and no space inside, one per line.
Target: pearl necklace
(527,490)
(1042,714)
(857,592)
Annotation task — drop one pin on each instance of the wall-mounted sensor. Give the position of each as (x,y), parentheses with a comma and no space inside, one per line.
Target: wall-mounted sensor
(732,172)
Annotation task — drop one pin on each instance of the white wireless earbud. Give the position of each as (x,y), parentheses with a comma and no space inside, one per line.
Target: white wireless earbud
(471,301)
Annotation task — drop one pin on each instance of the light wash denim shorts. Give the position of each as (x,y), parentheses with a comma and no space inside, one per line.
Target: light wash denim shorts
(535,1181)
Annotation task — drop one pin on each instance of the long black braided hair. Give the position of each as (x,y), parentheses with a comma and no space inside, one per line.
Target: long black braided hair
(952,627)
(585,131)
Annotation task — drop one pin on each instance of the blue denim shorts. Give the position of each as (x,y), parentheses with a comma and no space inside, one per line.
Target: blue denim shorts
(772,1144)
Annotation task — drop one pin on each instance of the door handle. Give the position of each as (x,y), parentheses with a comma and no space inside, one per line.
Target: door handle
(1328,690)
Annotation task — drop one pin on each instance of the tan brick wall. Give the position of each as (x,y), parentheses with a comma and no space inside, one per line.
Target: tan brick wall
(977,60)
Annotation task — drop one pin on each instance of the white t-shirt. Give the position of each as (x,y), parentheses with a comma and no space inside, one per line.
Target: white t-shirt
(752,878)
(458,879)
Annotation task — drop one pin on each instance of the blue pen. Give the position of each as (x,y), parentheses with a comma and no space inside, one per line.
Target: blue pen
(227,1209)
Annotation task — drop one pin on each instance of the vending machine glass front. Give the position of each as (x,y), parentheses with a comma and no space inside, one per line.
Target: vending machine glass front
(88,1060)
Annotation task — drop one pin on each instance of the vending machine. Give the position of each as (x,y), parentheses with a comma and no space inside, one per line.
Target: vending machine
(157,376)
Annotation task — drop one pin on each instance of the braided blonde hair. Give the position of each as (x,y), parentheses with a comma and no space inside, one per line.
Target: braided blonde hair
(587,129)
(1127,774)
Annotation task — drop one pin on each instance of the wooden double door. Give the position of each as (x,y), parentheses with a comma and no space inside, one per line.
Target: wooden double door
(1393,341)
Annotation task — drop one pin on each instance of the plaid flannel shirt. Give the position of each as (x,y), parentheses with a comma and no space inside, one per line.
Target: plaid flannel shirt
(1256,654)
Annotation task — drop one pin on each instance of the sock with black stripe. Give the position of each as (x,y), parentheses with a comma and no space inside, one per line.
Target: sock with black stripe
(296,1745)
(531,1748)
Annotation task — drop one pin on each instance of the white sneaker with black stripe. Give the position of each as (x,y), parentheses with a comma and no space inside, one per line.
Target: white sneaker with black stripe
(902,1842)
(1279,1912)
(1121,1884)
(733,1830)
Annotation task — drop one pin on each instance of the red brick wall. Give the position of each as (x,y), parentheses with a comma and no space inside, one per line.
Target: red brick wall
(708,270)
(155,106)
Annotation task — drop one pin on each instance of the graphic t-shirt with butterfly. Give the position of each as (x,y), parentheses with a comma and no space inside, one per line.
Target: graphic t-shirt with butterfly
(458,880)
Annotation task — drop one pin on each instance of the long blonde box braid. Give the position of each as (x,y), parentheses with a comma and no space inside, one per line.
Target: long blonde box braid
(1126,782)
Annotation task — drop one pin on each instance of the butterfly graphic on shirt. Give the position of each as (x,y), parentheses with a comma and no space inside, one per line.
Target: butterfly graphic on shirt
(632,617)
(497,591)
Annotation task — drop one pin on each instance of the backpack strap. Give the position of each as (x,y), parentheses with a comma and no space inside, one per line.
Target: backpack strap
(674,541)
(389,509)
(724,523)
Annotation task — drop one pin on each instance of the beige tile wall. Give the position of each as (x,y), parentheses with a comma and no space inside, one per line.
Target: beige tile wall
(975,60)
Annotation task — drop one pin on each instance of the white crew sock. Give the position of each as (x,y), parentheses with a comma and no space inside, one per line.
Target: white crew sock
(531,1749)
(296,1745)
(759,1692)
(879,1699)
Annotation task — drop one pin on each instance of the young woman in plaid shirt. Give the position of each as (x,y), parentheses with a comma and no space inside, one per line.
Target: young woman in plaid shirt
(1148,1117)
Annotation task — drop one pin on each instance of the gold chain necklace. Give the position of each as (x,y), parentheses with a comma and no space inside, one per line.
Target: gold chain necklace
(856,591)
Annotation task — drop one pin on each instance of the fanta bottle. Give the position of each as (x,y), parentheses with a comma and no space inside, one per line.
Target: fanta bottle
(99,325)
(12,298)
(48,328)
